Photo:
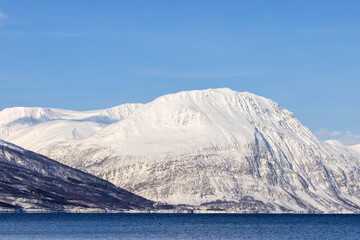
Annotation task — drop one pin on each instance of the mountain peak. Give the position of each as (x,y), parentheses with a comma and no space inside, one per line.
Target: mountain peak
(212,146)
(194,119)
(211,92)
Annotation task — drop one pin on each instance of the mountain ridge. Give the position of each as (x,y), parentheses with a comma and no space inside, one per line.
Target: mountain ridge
(55,123)
(218,147)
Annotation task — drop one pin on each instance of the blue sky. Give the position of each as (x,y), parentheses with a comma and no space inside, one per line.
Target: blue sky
(87,54)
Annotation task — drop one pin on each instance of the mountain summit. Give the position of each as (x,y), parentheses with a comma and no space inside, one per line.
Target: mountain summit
(214,148)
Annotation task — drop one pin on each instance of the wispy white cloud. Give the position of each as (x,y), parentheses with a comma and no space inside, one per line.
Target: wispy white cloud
(178,74)
(60,34)
(41,33)
(2,17)
(347,138)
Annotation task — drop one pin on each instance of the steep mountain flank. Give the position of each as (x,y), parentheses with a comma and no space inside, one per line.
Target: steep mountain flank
(29,181)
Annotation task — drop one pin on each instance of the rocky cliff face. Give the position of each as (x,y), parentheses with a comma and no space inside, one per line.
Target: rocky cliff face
(32,182)
(219,149)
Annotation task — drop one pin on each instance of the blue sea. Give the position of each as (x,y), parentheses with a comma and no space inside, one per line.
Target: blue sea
(177,226)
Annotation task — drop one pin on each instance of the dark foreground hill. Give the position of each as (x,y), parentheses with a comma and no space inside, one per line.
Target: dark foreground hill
(32,182)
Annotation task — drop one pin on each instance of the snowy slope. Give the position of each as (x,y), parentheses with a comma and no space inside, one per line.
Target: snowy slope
(219,149)
(35,128)
(29,181)
(194,119)
(356,148)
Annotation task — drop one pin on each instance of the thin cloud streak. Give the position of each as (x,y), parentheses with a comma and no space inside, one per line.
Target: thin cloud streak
(2,17)
(41,33)
(175,74)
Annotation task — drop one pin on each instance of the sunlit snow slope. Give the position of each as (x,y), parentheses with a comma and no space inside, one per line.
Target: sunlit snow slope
(216,148)
(356,148)
(35,128)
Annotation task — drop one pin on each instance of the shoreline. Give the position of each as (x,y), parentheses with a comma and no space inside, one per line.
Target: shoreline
(102,211)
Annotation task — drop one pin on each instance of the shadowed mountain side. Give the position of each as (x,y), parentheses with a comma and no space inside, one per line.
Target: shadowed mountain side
(32,181)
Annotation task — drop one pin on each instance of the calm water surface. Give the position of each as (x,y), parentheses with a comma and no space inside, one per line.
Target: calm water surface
(178,226)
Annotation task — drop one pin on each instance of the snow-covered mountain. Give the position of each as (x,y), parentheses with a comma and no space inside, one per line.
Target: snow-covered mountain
(216,148)
(356,148)
(353,150)
(29,181)
(35,128)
